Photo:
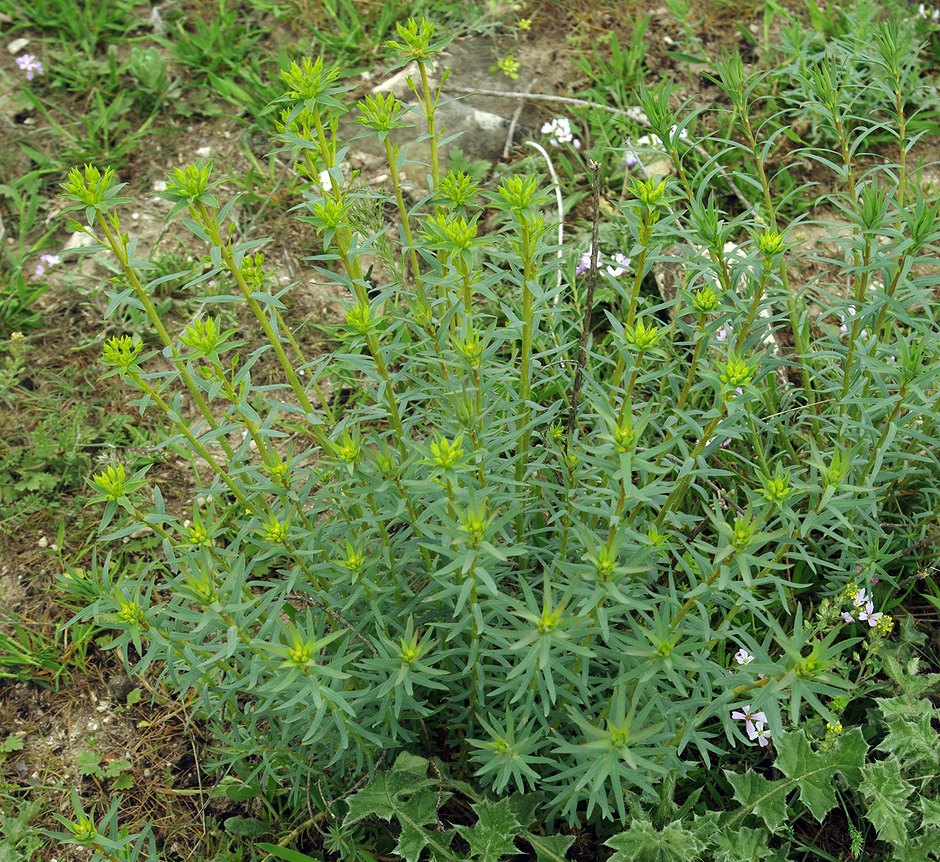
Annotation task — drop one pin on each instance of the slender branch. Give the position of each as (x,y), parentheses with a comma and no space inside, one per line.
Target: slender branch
(589,304)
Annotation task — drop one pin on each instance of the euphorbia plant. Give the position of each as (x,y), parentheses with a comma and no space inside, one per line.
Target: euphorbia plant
(436,563)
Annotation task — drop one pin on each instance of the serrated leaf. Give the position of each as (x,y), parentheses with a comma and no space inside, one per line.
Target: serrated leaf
(887,792)
(412,763)
(123,782)
(930,813)
(494,834)
(116,767)
(674,843)
(911,737)
(14,742)
(741,845)
(923,848)
(380,797)
(422,810)
(814,772)
(767,799)
(550,848)
(88,762)
(134,696)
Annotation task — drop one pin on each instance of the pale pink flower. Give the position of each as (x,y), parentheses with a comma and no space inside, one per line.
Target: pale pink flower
(869,614)
(743,657)
(848,617)
(761,734)
(584,264)
(560,132)
(46,262)
(30,65)
(752,720)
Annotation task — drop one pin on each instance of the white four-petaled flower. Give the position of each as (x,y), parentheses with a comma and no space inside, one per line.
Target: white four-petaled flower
(870,614)
(560,131)
(761,734)
(752,720)
(743,657)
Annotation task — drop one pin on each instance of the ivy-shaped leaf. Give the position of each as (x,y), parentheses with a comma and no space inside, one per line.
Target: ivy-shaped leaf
(767,799)
(923,848)
(675,843)
(406,793)
(494,834)
(741,845)
(911,736)
(88,762)
(930,813)
(812,772)
(116,767)
(386,792)
(422,810)
(887,792)
(14,742)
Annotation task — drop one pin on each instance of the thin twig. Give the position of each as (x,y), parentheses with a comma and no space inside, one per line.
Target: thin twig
(634,113)
(589,303)
(512,129)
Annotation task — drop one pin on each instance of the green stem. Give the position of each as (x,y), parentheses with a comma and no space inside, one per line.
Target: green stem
(429,109)
(391,154)
(525,373)
(212,228)
(201,450)
(120,252)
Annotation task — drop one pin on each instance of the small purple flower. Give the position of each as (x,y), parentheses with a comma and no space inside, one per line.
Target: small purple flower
(30,65)
(630,161)
(584,264)
(848,617)
(723,333)
(46,262)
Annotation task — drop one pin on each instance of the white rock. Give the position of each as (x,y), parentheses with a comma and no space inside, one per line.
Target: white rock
(159,186)
(79,240)
(204,152)
(17,45)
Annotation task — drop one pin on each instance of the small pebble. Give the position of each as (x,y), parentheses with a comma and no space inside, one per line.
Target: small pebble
(17,45)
